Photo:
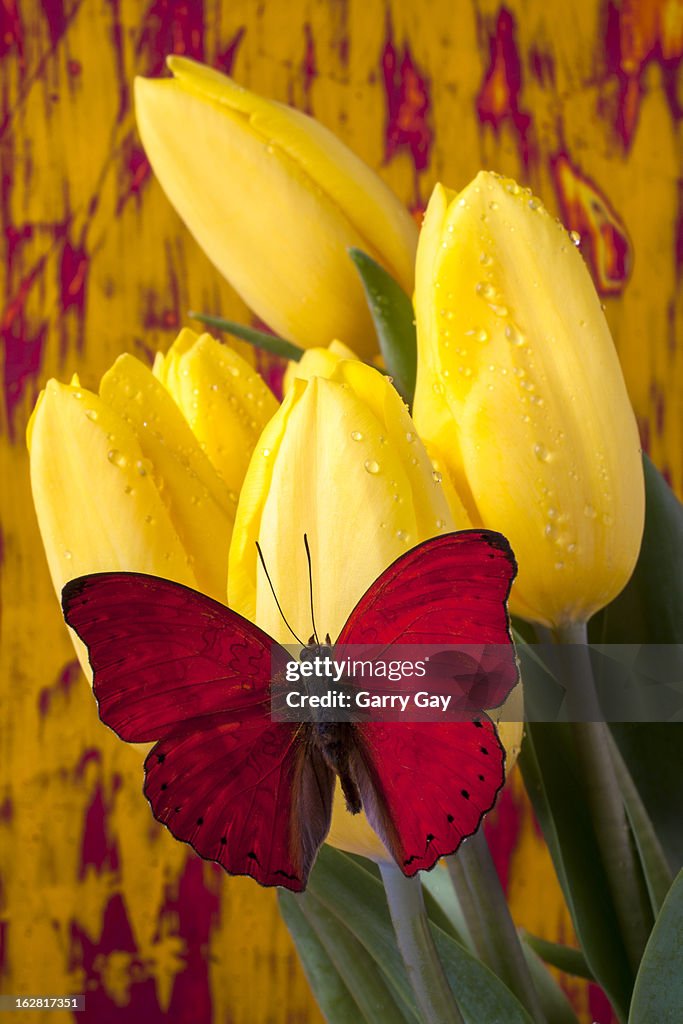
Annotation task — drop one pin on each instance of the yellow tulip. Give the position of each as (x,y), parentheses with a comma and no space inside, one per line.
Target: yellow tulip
(520,390)
(275,200)
(224,400)
(341,462)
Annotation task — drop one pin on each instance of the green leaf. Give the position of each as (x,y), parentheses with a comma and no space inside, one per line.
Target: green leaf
(554,784)
(356,898)
(260,339)
(333,996)
(658,992)
(657,874)
(571,961)
(650,608)
(653,753)
(356,970)
(392,312)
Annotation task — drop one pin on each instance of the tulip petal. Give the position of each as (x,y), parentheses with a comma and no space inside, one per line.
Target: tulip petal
(194,495)
(225,402)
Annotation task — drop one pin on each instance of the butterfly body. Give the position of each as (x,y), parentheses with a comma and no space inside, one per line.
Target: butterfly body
(174,667)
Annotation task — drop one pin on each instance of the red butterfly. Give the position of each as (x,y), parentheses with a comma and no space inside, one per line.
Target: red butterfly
(175,667)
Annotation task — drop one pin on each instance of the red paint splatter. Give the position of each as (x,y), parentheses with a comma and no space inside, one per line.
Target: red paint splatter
(88,757)
(134,172)
(55,18)
(498,101)
(92,957)
(502,828)
(309,68)
(658,407)
(408,105)
(6,810)
(70,674)
(73,282)
(599,1006)
(637,34)
(225,60)
(99,849)
(586,209)
(196,909)
(22,344)
(168,317)
(170,26)
(11,35)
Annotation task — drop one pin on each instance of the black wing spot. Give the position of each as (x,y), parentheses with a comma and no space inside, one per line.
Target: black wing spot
(450,818)
(478,724)
(177,809)
(224,841)
(200,821)
(292,878)
(490,555)
(430,838)
(164,786)
(410,860)
(484,750)
(252,856)
(161,758)
(465,794)
(481,778)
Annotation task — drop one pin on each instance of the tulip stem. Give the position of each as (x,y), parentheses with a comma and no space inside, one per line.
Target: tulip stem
(489,921)
(435,1001)
(592,741)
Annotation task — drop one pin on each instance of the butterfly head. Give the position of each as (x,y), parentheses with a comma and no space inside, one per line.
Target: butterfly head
(314,649)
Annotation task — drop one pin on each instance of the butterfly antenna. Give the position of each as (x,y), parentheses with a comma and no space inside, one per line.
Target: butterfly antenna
(310,586)
(272,588)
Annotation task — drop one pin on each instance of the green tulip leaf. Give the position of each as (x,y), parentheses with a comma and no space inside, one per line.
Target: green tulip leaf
(350,962)
(356,897)
(332,995)
(658,992)
(554,783)
(259,339)
(571,961)
(394,319)
(555,1006)
(650,608)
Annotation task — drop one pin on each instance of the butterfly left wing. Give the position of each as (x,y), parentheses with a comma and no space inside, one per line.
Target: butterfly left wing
(173,666)
(425,786)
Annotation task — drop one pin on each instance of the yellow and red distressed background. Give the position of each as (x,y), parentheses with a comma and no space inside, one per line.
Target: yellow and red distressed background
(583,102)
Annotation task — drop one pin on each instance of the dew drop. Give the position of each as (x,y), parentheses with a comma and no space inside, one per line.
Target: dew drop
(402,535)
(437,387)
(91,414)
(485,259)
(482,337)
(437,477)
(371,466)
(513,335)
(589,512)
(440,523)
(116,457)
(550,530)
(559,565)
(486,290)
(232,497)
(356,435)
(575,237)
(571,548)
(410,437)
(141,467)
(498,310)
(149,520)
(128,489)
(513,188)
(265,452)
(67,555)
(534,203)
(493,205)
(214,387)
(541,452)
(77,395)
(234,371)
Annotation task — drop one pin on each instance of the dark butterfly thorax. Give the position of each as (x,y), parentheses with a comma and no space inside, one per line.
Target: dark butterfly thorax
(334,740)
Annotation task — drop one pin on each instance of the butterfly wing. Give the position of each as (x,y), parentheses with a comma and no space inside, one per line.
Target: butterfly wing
(425,786)
(173,666)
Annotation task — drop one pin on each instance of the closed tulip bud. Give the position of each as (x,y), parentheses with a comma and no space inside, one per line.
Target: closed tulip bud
(342,463)
(275,200)
(520,391)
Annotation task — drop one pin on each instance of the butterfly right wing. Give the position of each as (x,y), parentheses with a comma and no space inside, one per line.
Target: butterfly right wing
(173,666)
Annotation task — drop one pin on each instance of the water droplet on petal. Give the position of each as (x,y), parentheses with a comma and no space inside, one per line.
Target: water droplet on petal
(513,335)
(486,290)
(498,310)
(440,523)
(356,435)
(149,520)
(128,489)
(234,371)
(265,452)
(589,512)
(67,555)
(541,452)
(77,394)
(534,203)
(116,457)
(371,466)
(91,414)
(575,237)
(559,565)
(437,477)
(410,437)
(437,387)
(402,535)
